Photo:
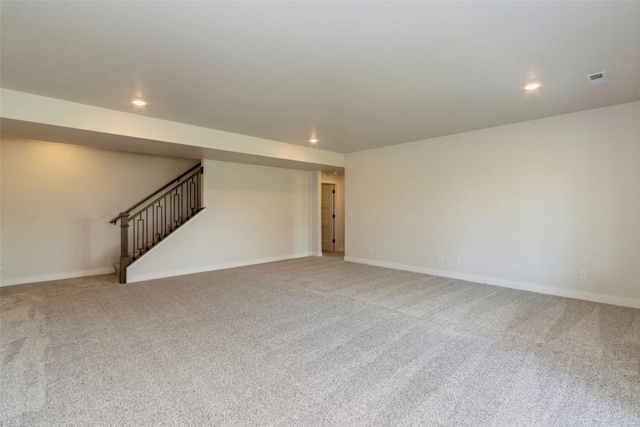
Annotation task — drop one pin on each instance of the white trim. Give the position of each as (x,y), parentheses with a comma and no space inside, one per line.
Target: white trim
(531,287)
(134,278)
(57,276)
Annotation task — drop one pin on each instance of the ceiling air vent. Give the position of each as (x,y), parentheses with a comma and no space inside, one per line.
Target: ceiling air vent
(597,78)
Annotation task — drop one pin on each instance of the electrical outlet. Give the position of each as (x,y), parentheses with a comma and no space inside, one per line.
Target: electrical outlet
(457,259)
(584,275)
(370,249)
(440,258)
(94,215)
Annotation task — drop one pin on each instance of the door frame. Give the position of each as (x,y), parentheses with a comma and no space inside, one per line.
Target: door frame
(333,214)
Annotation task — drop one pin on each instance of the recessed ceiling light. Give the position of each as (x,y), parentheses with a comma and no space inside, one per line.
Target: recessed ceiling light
(532,86)
(139,102)
(313,140)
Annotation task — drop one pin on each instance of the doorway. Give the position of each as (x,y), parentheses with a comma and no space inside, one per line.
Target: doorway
(328,217)
(331,215)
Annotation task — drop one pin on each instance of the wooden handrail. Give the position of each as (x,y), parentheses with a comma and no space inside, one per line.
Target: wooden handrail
(175,180)
(163,194)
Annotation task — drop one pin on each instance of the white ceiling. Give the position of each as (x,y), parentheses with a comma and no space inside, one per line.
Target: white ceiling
(357,75)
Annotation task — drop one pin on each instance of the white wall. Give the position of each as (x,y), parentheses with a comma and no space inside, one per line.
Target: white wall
(253,214)
(526,205)
(338,180)
(49,190)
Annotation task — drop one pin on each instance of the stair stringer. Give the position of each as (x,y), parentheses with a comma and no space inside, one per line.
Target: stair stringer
(167,243)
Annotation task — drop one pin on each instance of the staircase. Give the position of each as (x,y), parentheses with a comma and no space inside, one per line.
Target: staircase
(157,216)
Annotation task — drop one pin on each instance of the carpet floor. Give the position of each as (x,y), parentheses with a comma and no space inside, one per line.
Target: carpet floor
(313,342)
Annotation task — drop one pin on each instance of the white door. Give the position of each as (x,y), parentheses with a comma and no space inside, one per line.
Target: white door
(328,217)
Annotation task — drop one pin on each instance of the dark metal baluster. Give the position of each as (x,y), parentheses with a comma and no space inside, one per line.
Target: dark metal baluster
(188,200)
(179,192)
(198,184)
(153,224)
(188,215)
(140,230)
(158,226)
(164,216)
(171,213)
(135,241)
(146,230)
(176,202)
(193,198)
(194,195)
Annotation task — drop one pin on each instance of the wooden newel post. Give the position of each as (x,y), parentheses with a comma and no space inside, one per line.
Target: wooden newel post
(124,246)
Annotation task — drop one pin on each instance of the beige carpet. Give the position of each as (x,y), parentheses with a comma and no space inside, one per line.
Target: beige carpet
(313,342)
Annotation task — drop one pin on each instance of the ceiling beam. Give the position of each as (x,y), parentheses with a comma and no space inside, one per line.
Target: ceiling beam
(36,117)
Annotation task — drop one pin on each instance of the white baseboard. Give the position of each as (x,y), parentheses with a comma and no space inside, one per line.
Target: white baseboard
(56,276)
(531,287)
(132,277)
